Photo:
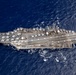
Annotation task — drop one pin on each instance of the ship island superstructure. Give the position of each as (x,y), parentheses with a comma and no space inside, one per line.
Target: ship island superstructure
(48,37)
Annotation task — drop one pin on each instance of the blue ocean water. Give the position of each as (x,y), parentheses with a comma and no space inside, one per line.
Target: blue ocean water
(33,13)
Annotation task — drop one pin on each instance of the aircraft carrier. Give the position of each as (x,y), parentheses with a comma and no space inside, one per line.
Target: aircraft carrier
(33,38)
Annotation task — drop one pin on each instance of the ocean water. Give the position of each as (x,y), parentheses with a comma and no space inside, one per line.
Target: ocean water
(37,13)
